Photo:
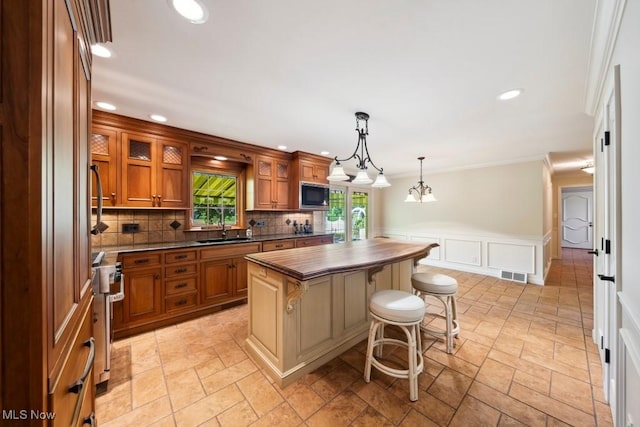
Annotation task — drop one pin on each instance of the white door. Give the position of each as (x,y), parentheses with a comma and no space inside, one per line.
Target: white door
(610,243)
(577,218)
(600,295)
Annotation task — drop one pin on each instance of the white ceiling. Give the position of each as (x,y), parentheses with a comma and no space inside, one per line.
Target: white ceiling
(428,72)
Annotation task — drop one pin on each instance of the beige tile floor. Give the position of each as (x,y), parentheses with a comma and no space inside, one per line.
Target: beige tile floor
(524,357)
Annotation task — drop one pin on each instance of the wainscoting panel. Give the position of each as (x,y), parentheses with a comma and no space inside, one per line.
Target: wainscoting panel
(512,257)
(629,363)
(463,251)
(478,253)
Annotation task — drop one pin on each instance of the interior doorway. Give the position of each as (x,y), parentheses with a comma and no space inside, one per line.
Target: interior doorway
(577,217)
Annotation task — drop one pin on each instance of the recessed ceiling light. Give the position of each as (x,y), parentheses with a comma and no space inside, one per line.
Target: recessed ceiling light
(324,153)
(100,50)
(192,10)
(158,117)
(221,158)
(510,94)
(282,147)
(105,106)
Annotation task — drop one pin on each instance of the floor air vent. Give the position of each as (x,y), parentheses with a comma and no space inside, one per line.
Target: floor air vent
(513,276)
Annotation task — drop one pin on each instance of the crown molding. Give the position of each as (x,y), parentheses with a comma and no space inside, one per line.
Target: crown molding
(606,26)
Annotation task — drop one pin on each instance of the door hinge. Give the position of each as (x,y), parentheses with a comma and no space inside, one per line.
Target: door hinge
(601,145)
(607,355)
(601,342)
(607,246)
(607,140)
(602,243)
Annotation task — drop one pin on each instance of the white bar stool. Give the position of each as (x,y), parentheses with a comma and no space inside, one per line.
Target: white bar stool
(444,288)
(400,308)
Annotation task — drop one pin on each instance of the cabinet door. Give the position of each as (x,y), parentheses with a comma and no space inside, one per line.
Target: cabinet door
(241,282)
(143,294)
(264,177)
(138,171)
(66,217)
(217,281)
(281,184)
(103,155)
(311,171)
(172,178)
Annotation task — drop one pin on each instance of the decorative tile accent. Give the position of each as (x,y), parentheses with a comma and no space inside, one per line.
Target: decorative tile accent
(252,222)
(175,225)
(288,221)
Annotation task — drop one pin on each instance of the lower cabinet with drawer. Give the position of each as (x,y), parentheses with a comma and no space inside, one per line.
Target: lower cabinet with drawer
(181,280)
(314,241)
(163,287)
(72,394)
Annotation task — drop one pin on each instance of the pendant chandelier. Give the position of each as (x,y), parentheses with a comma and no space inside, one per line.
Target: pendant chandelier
(361,154)
(421,192)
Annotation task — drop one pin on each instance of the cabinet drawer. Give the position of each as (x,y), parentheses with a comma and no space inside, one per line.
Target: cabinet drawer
(173,257)
(146,259)
(180,286)
(180,270)
(278,244)
(180,302)
(229,251)
(76,378)
(314,241)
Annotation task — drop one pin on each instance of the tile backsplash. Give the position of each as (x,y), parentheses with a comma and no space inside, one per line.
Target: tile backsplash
(155,226)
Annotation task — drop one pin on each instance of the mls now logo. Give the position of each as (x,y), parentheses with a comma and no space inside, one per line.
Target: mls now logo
(23,414)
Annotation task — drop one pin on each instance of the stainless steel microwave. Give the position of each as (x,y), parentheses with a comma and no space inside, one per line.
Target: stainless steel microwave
(314,196)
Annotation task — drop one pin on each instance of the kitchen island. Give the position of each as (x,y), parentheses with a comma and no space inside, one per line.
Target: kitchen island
(308,305)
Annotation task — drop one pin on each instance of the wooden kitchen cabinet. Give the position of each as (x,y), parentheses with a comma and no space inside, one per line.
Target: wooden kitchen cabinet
(143,294)
(224,279)
(45,119)
(270,182)
(314,241)
(166,286)
(181,280)
(104,156)
(310,168)
(217,281)
(224,272)
(153,172)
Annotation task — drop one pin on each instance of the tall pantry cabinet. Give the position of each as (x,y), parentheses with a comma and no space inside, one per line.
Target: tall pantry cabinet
(46,344)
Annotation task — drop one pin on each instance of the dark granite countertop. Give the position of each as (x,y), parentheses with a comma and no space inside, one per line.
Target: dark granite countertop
(111,252)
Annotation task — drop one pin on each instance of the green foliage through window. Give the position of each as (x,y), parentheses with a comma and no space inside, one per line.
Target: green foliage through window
(213,195)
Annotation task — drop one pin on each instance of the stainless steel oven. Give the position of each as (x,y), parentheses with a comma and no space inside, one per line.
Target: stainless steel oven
(107,287)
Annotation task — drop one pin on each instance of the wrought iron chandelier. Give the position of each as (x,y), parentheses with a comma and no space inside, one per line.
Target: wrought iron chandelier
(421,192)
(362,156)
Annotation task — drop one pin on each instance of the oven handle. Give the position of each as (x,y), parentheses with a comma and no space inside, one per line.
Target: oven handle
(96,229)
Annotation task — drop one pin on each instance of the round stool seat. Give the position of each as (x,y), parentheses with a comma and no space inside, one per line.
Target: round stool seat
(434,283)
(397,306)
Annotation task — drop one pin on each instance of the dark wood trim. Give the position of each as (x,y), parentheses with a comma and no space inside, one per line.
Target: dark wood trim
(23,376)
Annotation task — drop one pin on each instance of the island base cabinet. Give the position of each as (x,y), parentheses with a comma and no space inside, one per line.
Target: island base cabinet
(296,327)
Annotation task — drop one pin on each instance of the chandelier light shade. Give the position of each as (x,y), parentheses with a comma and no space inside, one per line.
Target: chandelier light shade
(363,159)
(420,192)
(589,168)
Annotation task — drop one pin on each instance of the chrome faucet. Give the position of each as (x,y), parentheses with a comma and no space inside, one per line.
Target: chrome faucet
(221,222)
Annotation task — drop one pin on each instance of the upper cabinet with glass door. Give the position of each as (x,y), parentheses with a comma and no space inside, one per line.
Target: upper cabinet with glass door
(154,172)
(104,156)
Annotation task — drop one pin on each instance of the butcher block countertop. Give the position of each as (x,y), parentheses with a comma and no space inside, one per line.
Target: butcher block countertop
(316,261)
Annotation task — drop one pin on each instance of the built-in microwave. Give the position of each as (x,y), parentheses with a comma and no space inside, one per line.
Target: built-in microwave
(314,196)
